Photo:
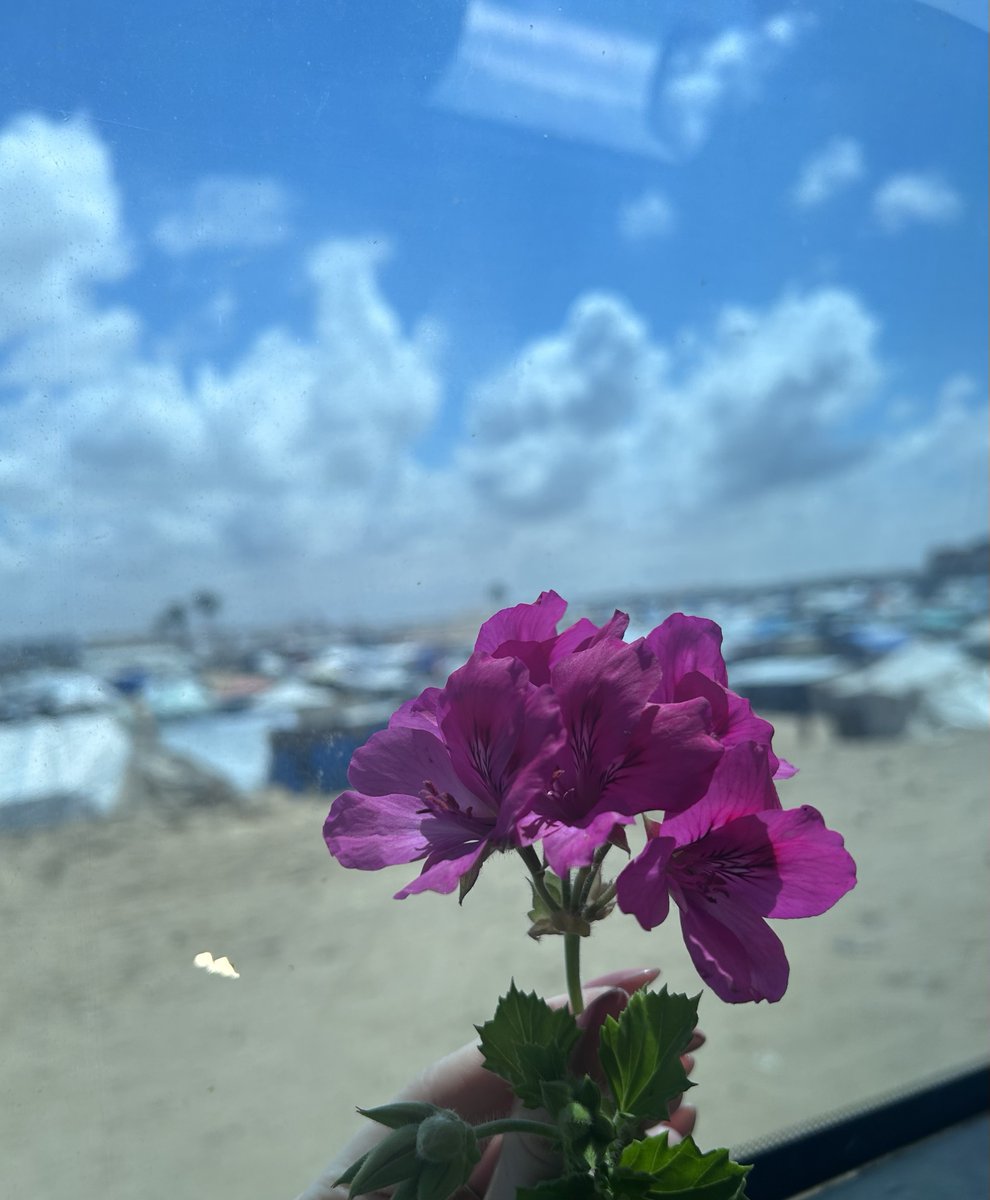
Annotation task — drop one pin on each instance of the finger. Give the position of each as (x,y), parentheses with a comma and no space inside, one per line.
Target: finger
(683,1121)
(630,979)
(698,1039)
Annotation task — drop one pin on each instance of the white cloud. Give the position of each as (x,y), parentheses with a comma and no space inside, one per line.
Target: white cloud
(837,165)
(600,455)
(730,66)
(650,215)
(60,221)
(915,198)
(226,212)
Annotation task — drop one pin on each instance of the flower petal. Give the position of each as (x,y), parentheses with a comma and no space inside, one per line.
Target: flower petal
(523,623)
(370,832)
(735,952)
(641,889)
(602,692)
(401,760)
(813,869)
(570,846)
(741,785)
(418,713)
(682,644)
(503,735)
(442,871)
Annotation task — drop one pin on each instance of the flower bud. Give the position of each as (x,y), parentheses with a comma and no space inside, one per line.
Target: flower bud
(575,1120)
(445,1138)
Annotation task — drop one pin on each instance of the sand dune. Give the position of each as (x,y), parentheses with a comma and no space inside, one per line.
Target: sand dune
(129,1073)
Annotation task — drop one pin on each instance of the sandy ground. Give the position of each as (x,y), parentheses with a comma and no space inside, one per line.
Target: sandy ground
(127,1073)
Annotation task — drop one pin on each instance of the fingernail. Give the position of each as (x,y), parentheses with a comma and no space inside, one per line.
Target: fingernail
(629,979)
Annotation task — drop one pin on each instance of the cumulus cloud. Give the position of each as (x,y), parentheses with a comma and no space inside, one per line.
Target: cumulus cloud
(704,76)
(837,165)
(60,221)
(919,198)
(650,215)
(600,455)
(224,212)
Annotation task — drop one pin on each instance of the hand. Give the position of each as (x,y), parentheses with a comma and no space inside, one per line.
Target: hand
(461,1083)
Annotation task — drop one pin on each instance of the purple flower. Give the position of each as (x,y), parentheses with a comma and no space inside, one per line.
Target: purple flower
(624,755)
(689,650)
(453,778)
(529,632)
(729,861)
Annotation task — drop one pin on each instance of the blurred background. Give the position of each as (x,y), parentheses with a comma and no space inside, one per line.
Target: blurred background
(326,330)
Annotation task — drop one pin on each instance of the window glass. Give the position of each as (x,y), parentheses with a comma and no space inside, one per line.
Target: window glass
(328,329)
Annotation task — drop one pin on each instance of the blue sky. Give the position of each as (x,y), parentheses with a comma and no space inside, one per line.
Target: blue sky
(347,315)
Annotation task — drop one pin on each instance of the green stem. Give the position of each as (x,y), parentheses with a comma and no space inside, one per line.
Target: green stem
(516,1125)
(536,869)
(572,969)
(581,887)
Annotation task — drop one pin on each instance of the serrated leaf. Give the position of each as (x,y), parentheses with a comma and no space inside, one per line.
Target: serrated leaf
(528,1043)
(680,1171)
(640,1053)
(555,1095)
(571,1187)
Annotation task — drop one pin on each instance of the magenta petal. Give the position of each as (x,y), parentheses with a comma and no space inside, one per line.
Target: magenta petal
(602,692)
(785,769)
(668,761)
(570,846)
(523,623)
(418,713)
(502,734)
(683,644)
(442,871)
(741,785)
(735,952)
(369,832)
(641,889)
(402,760)
(584,633)
(813,869)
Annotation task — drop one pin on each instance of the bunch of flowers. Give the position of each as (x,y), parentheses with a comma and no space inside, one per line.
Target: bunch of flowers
(550,744)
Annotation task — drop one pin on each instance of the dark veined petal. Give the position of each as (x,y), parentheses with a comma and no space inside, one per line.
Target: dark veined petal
(503,735)
(403,759)
(602,693)
(733,949)
(812,868)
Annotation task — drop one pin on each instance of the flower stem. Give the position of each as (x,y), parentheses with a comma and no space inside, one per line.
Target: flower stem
(537,870)
(516,1125)
(572,969)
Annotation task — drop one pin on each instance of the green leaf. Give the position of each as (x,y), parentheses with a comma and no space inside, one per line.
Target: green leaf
(571,1187)
(654,1169)
(527,1042)
(640,1053)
